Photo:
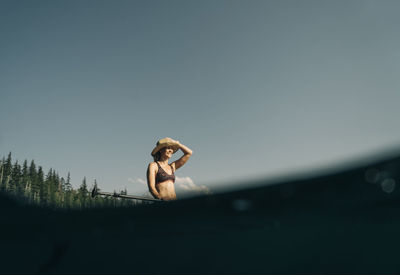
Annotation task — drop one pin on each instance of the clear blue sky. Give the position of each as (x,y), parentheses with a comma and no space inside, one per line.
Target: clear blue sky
(254,88)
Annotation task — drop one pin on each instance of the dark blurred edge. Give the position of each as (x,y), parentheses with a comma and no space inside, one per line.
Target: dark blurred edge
(341,222)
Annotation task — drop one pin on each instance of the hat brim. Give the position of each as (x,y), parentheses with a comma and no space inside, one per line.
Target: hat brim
(174,146)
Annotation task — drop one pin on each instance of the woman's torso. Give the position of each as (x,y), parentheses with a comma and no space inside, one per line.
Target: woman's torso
(165,182)
(163,175)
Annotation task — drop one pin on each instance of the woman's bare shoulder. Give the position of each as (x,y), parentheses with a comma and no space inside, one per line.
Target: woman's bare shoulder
(152,164)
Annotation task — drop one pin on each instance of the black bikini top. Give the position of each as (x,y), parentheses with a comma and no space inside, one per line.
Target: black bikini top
(162,176)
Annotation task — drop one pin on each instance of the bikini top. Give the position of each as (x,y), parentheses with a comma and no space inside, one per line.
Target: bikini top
(163,176)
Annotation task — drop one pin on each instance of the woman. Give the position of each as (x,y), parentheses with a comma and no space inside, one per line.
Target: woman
(160,174)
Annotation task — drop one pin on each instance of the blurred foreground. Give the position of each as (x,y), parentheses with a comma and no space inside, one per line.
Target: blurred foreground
(343,223)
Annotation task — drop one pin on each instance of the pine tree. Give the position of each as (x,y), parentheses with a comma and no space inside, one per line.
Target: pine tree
(33,179)
(58,190)
(61,192)
(83,193)
(68,193)
(52,188)
(6,173)
(25,182)
(15,182)
(2,172)
(40,182)
(68,186)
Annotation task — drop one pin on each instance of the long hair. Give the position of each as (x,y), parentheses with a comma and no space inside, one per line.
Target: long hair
(157,156)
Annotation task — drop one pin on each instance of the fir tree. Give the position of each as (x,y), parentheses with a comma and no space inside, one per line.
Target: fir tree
(52,187)
(25,181)
(68,186)
(61,193)
(58,190)
(83,193)
(40,185)
(2,172)
(6,173)
(16,176)
(68,193)
(33,178)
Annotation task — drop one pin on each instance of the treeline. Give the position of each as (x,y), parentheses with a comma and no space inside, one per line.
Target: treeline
(29,184)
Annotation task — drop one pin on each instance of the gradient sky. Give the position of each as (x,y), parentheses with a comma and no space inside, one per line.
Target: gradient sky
(254,88)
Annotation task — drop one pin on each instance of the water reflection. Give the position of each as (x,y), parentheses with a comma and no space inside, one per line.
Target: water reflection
(388,185)
(241,204)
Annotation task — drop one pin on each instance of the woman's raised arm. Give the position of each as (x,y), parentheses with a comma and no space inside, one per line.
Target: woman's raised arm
(187,153)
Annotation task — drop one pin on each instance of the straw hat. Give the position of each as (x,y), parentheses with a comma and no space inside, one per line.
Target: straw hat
(165,142)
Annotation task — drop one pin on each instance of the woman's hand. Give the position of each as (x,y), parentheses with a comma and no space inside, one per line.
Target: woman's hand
(177,142)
